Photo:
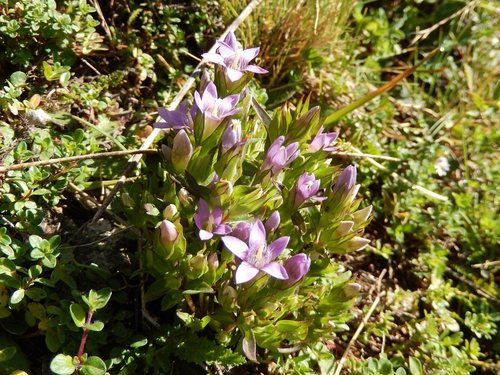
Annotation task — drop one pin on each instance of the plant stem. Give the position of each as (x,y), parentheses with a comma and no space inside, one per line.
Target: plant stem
(85,334)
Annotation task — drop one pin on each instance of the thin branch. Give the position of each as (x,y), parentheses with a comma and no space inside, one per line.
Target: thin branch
(99,155)
(361,155)
(421,189)
(356,335)
(175,103)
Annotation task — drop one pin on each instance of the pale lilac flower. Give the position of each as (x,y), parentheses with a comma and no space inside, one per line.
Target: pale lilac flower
(232,136)
(346,180)
(257,255)
(273,222)
(242,230)
(306,188)
(214,109)
(279,156)
(177,119)
(296,267)
(209,223)
(234,60)
(323,141)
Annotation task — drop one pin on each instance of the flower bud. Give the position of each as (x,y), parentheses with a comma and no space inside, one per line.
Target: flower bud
(352,290)
(344,227)
(213,261)
(227,297)
(168,232)
(198,266)
(127,200)
(182,151)
(166,152)
(362,215)
(356,243)
(346,180)
(223,188)
(231,136)
(184,197)
(273,222)
(296,267)
(170,212)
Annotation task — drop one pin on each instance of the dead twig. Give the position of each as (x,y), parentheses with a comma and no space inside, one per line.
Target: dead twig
(100,155)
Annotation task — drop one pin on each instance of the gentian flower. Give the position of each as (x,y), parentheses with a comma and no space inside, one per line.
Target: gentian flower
(177,119)
(214,109)
(209,223)
(306,188)
(296,267)
(234,60)
(323,141)
(257,255)
(279,156)
(242,230)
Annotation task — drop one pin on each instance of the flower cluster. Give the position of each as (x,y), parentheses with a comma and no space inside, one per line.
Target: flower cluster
(256,208)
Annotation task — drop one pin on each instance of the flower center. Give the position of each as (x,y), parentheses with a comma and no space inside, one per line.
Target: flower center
(236,59)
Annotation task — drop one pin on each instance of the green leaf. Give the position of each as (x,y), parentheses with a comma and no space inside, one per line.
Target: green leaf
(96,326)
(7,353)
(18,78)
(35,241)
(62,365)
(98,299)
(385,367)
(415,366)
(77,314)
(93,366)
(17,296)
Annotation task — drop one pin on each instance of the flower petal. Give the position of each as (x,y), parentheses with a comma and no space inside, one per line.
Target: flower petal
(222,229)
(255,69)
(276,270)
(245,272)
(236,246)
(276,247)
(217,215)
(205,235)
(257,235)
(213,58)
(203,210)
(233,74)
(248,55)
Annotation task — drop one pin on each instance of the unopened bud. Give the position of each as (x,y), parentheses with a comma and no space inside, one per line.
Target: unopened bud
(213,261)
(198,266)
(223,188)
(352,290)
(357,243)
(170,212)
(344,227)
(362,215)
(231,136)
(166,152)
(168,232)
(273,222)
(182,151)
(184,197)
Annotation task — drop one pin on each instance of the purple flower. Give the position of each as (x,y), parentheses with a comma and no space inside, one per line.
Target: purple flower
(177,119)
(234,60)
(232,136)
(296,267)
(257,255)
(323,141)
(279,156)
(307,186)
(214,109)
(346,180)
(273,222)
(209,223)
(242,230)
